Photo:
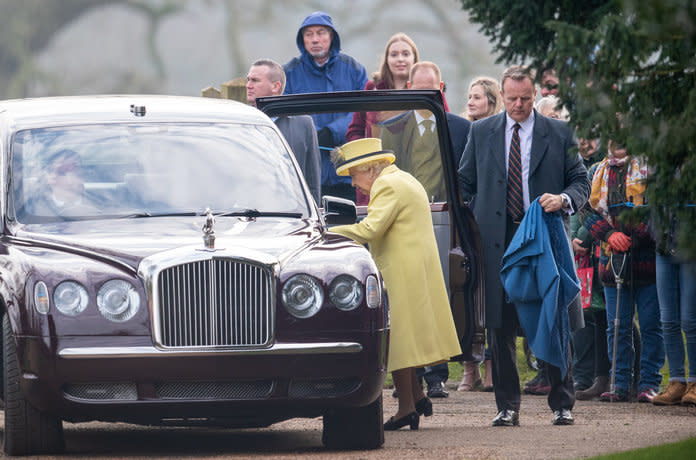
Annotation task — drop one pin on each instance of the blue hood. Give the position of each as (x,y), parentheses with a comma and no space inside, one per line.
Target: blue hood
(319,18)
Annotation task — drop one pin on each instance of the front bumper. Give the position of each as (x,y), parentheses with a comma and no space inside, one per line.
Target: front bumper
(127,379)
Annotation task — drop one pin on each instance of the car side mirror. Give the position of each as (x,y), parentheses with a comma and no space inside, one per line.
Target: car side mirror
(339,211)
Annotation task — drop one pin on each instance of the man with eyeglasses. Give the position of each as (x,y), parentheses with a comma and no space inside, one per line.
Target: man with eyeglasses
(549,83)
(321,67)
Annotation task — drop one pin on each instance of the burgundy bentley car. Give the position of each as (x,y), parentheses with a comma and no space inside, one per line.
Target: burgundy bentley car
(162,262)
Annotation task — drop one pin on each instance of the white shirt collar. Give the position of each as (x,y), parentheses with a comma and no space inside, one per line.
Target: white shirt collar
(419,121)
(526,125)
(420,118)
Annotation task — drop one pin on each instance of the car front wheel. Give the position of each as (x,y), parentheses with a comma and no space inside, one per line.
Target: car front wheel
(27,430)
(355,427)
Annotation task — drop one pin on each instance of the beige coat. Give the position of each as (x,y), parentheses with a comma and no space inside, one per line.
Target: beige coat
(399,230)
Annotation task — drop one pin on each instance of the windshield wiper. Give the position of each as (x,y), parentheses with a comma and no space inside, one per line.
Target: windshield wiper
(140,214)
(252,213)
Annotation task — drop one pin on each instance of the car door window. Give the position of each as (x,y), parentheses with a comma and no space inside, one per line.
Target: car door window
(413,137)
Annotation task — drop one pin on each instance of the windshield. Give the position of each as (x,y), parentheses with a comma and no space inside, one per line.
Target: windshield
(137,170)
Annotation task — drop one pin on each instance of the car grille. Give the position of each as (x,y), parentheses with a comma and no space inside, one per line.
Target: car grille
(102,391)
(324,388)
(215,303)
(215,390)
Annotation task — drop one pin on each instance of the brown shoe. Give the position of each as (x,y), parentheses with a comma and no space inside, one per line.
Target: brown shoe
(599,386)
(672,395)
(689,398)
(471,377)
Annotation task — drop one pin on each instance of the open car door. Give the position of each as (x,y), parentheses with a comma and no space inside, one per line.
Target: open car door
(390,115)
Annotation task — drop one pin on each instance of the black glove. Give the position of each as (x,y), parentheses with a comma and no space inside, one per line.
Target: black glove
(325,137)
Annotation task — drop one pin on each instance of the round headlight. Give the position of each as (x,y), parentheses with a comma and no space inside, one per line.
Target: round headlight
(118,300)
(70,298)
(41,302)
(302,296)
(345,292)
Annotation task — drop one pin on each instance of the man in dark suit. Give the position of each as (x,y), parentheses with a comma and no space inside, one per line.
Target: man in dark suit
(511,159)
(413,135)
(413,138)
(267,78)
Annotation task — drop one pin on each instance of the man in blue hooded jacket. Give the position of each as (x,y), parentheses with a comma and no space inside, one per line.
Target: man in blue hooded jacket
(321,67)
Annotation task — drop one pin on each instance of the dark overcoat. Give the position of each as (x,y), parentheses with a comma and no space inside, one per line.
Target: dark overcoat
(299,131)
(553,168)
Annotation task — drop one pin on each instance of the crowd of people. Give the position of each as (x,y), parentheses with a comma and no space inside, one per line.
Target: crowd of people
(513,152)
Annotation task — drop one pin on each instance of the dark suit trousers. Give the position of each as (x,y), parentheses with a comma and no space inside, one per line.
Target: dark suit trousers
(506,379)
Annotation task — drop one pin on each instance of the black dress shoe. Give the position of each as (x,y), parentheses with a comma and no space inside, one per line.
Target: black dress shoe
(437,390)
(507,417)
(410,419)
(425,407)
(563,417)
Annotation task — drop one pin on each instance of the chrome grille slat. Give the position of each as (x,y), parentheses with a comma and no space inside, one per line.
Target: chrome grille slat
(215,303)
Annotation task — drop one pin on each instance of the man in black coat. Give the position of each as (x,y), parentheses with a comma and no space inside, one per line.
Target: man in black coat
(537,152)
(267,78)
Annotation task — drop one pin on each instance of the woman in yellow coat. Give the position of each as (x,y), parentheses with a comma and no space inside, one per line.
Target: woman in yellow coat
(399,230)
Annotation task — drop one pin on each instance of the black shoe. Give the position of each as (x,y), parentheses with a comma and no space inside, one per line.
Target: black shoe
(507,417)
(410,419)
(437,390)
(394,395)
(563,417)
(425,407)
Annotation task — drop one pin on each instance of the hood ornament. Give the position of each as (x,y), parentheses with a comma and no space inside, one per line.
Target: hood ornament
(208,232)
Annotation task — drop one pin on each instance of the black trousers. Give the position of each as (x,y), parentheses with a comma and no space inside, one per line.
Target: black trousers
(438,373)
(506,379)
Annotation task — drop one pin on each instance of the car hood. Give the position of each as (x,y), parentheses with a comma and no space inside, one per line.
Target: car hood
(137,238)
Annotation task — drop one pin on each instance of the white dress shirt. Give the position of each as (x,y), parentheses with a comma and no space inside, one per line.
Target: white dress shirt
(525,132)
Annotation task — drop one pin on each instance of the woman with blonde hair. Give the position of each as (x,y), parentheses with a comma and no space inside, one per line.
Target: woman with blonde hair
(399,56)
(422,329)
(484,99)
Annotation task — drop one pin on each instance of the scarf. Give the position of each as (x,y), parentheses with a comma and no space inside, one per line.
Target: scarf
(636,176)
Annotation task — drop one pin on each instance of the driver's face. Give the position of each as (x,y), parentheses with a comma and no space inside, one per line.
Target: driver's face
(66,176)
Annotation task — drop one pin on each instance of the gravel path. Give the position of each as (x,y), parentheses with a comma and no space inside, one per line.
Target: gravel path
(460,428)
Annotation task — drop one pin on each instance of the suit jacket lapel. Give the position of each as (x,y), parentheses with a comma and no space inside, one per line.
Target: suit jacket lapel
(407,140)
(540,142)
(497,143)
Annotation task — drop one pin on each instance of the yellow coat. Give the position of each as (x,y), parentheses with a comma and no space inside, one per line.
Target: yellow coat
(399,230)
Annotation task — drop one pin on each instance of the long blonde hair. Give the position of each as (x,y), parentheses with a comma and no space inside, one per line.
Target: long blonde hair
(384,74)
(491,89)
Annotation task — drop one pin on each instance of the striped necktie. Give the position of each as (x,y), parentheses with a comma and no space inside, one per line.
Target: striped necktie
(515,207)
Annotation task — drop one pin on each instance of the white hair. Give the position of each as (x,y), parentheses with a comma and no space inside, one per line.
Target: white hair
(551,103)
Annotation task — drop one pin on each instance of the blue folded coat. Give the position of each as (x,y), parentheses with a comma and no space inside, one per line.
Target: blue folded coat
(538,274)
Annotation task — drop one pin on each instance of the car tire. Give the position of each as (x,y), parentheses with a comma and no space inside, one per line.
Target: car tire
(27,430)
(355,427)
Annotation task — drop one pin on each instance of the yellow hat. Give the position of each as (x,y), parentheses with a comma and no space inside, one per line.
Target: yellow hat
(360,151)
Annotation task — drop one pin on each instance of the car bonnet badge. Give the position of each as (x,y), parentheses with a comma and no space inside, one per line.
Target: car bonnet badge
(208,232)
